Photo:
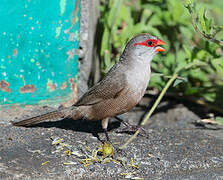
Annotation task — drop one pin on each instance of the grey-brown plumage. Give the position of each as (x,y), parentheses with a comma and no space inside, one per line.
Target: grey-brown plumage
(120,90)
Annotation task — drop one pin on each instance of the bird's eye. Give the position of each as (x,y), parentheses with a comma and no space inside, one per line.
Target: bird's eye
(150,43)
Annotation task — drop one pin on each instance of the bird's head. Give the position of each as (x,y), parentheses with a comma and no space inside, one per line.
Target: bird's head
(144,46)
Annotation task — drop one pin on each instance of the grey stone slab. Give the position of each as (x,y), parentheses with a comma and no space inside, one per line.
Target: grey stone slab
(164,153)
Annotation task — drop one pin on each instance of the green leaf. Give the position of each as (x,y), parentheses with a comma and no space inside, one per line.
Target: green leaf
(209,26)
(202,19)
(219,120)
(217,63)
(105,44)
(107,58)
(189,2)
(198,74)
(202,54)
(176,8)
(177,82)
(188,52)
(114,12)
(209,96)
(220,27)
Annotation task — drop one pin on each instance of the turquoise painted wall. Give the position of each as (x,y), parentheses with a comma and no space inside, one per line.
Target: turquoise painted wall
(38,50)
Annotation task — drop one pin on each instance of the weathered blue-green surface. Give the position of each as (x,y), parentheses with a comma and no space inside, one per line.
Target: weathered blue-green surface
(38,42)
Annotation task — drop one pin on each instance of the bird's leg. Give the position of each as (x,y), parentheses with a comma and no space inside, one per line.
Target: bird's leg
(130,128)
(104,124)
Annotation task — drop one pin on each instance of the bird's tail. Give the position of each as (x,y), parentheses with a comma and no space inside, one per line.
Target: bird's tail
(34,120)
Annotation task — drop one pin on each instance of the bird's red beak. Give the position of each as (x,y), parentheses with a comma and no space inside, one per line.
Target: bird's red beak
(159,48)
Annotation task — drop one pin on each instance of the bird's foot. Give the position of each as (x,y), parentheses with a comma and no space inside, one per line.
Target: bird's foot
(107,142)
(106,135)
(131,129)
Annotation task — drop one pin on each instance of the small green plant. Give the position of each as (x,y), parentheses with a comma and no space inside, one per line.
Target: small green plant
(194,47)
(202,24)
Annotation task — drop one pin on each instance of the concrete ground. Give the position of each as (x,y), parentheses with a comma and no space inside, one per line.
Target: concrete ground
(175,146)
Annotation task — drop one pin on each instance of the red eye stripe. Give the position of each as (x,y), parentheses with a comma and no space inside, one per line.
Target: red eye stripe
(148,42)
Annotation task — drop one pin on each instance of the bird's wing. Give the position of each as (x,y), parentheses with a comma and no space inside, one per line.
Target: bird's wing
(108,88)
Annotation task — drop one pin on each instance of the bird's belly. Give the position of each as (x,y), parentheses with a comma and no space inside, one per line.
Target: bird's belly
(129,97)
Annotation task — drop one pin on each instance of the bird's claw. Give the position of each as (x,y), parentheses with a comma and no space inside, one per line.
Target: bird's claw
(132,129)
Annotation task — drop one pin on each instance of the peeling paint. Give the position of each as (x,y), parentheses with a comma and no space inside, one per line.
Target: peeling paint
(77,52)
(4,86)
(27,89)
(26,59)
(15,51)
(73,85)
(23,79)
(70,54)
(4,74)
(58,30)
(32,60)
(63,4)
(74,94)
(50,86)
(71,37)
(75,17)
(63,86)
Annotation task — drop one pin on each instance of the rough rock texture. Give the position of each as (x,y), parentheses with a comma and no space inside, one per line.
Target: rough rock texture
(174,147)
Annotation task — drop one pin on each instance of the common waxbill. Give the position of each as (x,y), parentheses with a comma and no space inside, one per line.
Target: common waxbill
(118,92)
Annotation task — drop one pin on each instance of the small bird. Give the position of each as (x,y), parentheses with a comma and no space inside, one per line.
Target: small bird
(118,92)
